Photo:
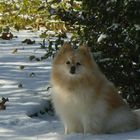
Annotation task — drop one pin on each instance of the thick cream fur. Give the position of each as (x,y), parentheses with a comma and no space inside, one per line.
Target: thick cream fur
(86,101)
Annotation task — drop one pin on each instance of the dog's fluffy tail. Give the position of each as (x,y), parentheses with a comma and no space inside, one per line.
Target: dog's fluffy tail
(137,112)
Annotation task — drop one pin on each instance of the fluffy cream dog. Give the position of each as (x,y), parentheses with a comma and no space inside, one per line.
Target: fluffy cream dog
(84,99)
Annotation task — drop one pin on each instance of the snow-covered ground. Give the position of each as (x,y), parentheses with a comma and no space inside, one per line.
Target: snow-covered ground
(27,92)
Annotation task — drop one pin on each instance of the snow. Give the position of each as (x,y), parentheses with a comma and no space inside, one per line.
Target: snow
(137,26)
(15,123)
(101,38)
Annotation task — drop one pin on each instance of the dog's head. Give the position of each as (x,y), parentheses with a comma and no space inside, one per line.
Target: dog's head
(73,62)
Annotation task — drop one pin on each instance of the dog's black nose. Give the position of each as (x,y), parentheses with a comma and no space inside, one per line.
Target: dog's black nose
(72,70)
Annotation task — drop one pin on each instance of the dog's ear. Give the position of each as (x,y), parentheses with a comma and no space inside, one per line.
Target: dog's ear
(66,48)
(84,49)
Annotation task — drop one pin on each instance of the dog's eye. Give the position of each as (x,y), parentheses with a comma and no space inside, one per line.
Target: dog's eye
(68,62)
(78,63)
